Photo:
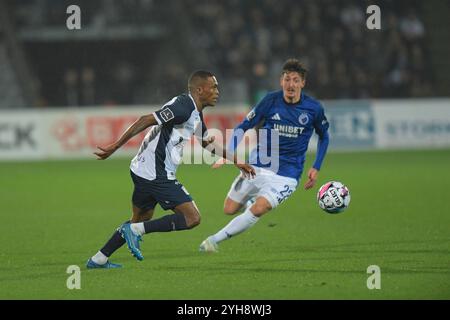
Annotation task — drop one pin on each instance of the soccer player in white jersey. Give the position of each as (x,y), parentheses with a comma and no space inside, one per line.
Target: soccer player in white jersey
(294,116)
(154,167)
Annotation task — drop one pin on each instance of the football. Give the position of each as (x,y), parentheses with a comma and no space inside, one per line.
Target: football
(333,197)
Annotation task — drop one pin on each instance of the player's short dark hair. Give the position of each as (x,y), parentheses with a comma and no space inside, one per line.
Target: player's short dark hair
(198,75)
(294,65)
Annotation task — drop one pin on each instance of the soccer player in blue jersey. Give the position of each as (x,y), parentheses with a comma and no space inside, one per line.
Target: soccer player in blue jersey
(154,167)
(294,116)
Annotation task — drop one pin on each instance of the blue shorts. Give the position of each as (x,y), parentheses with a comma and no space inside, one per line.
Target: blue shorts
(148,193)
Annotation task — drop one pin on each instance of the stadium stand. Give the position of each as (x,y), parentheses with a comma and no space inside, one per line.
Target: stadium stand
(125,47)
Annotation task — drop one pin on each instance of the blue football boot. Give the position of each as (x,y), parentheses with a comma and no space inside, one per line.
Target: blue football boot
(108,265)
(132,240)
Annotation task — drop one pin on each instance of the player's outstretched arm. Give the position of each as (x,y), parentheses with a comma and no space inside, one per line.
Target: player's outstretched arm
(138,126)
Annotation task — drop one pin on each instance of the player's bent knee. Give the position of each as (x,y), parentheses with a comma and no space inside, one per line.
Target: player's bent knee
(260,209)
(193,220)
(229,210)
(141,216)
(231,207)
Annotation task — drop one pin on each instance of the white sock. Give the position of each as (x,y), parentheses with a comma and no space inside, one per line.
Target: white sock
(138,228)
(239,224)
(99,258)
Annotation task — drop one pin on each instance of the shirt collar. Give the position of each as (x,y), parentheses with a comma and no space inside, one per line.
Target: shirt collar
(193,101)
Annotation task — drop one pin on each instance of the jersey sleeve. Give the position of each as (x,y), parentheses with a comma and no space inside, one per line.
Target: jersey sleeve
(256,115)
(175,111)
(321,126)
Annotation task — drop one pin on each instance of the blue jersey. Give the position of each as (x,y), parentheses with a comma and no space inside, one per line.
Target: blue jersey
(295,124)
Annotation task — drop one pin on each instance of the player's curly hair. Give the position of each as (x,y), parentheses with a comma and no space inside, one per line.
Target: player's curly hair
(294,65)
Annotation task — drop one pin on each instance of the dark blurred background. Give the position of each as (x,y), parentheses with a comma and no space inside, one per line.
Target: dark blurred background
(142,51)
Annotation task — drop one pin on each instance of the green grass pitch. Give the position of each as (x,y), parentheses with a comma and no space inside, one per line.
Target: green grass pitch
(58,213)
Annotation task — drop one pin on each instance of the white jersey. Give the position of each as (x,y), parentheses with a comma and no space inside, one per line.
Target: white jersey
(161,150)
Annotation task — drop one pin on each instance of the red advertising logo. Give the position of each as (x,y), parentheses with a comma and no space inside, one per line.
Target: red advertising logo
(67,131)
(75,134)
(102,131)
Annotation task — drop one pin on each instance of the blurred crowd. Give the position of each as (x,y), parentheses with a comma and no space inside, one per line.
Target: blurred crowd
(251,40)
(98,13)
(244,42)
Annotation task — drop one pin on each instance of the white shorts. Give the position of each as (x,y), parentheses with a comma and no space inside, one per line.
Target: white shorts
(267,184)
